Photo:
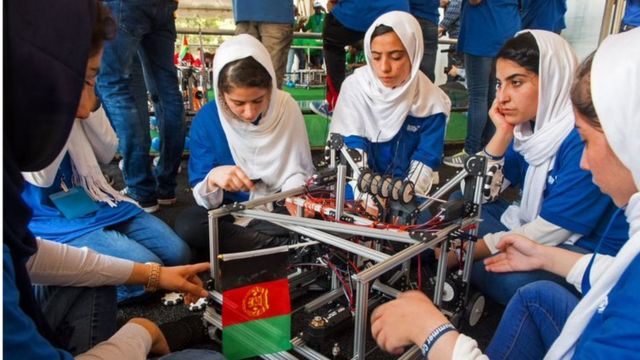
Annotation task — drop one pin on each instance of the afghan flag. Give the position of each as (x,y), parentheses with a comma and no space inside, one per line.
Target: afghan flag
(256,308)
(184,49)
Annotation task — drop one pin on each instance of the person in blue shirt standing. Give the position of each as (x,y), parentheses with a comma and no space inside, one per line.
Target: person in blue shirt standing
(426,12)
(631,19)
(485,26)
(345,25)
(544,15)
(536,141)
(250,142)
(389,110)
(271,23)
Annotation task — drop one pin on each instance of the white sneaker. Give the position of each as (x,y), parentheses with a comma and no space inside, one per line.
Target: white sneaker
(456,160)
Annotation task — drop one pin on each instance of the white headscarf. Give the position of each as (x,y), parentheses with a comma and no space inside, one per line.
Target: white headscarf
(553,123)
(615,90)
(276,150)
(367,108)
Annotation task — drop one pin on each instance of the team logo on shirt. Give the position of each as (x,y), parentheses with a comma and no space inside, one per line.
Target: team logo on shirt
(413,128)
(603,305)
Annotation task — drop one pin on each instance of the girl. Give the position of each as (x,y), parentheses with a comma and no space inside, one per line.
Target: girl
(389,109)
(92,213)
(250,142)
(540,149)
(604,323)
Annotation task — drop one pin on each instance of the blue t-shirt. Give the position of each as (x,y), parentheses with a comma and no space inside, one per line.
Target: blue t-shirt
(269,11)
(209,149)
(632,13)
(544,15)
(425,9)
(571,200)
(49,223)
(485,27)
(358,15)
(419,139)
(614,330)
(20,337)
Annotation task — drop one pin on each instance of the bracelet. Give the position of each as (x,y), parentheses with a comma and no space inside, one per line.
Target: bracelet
(154,277)
(491,157)
(435,335)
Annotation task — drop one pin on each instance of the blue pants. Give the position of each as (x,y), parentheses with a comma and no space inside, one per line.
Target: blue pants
(143,238)
(502,286)
(430,38)
(481,83)
(532,321)
(81,316)
(143,52)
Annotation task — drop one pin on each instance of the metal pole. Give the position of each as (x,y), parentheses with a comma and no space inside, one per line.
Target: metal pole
(340,185)
(441,274)
(359,338)
(444,189)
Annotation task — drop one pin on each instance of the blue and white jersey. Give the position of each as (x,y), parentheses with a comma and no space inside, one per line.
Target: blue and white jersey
(49,223)
(571,200)
(420,139)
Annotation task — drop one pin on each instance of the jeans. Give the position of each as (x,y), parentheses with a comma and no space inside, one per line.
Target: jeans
(481,83)
(276,38)
(142,52)
(143,238)
(502,286)
(532,321)
(81,316)
(300,54)
(430,38)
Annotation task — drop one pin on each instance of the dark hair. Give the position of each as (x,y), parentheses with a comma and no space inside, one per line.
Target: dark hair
(380,30)
(104,28)
(246,72)
(523,50)
(581,92)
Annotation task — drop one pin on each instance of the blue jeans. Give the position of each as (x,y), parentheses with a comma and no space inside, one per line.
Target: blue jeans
(430,39)
(532,321)
(143,238)
(481,83)
(502,286)
(142,52)
(81,316)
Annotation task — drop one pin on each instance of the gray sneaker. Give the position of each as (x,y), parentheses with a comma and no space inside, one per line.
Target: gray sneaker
(456,160)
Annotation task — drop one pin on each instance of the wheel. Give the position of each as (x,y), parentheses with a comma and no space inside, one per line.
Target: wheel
(385,188)
(449,291)
(407,192)
(474,309)
(395,187)
(376,184)
(364,180)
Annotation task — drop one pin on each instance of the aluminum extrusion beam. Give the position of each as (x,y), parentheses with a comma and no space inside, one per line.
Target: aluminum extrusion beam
(330,226)
(337,242)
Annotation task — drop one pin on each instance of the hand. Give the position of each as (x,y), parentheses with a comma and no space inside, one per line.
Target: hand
(517,253)
(422,177)
(184,279)
(475,2)
(229,178)
(498,119)
(159,345)
(444,3)
(441,31)
(407,320)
